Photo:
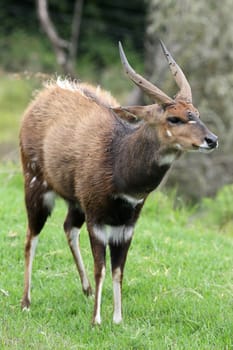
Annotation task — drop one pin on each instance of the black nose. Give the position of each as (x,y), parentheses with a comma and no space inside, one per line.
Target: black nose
(212,141)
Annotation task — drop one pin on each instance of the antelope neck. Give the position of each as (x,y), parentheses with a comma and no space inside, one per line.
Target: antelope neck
(136,167)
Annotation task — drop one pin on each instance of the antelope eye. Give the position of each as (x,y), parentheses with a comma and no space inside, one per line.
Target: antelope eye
(175,120)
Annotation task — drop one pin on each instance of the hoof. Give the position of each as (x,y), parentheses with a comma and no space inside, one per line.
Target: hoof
(25,309)
(117,320)
(88,292)
(96,321)
(25,304)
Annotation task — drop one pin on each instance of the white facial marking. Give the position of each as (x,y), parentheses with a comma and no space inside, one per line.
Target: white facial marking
(74,242)
(204,148)
(169,134)
(97,319)
(192,122)
(204,145)
(132,200)
(117,316)
(113,234)
(49,200)
(167,159)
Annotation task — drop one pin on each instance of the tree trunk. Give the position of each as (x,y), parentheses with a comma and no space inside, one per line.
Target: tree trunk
(65,51)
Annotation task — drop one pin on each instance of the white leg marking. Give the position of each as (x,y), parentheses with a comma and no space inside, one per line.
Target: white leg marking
(117,316)
(97,319)
(34,243)
(74,242)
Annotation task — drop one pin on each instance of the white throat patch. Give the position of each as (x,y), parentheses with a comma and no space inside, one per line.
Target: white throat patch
(167,159)
(130,199)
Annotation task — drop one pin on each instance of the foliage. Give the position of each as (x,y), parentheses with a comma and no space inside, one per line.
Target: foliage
(220,210)
(35,57)
(177,290)
(14,96)
(103,24)
(199,35)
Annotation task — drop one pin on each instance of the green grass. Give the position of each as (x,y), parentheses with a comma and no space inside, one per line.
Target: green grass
(177,290)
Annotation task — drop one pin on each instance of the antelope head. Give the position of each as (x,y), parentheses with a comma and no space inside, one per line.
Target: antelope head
(176,121)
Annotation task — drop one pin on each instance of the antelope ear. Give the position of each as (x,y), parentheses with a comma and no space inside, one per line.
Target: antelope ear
(133,113)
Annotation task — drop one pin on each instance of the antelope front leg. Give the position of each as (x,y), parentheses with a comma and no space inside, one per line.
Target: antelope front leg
(118,259)
(99,255)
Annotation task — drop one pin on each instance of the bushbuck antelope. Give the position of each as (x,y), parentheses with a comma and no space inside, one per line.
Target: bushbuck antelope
(103,160)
